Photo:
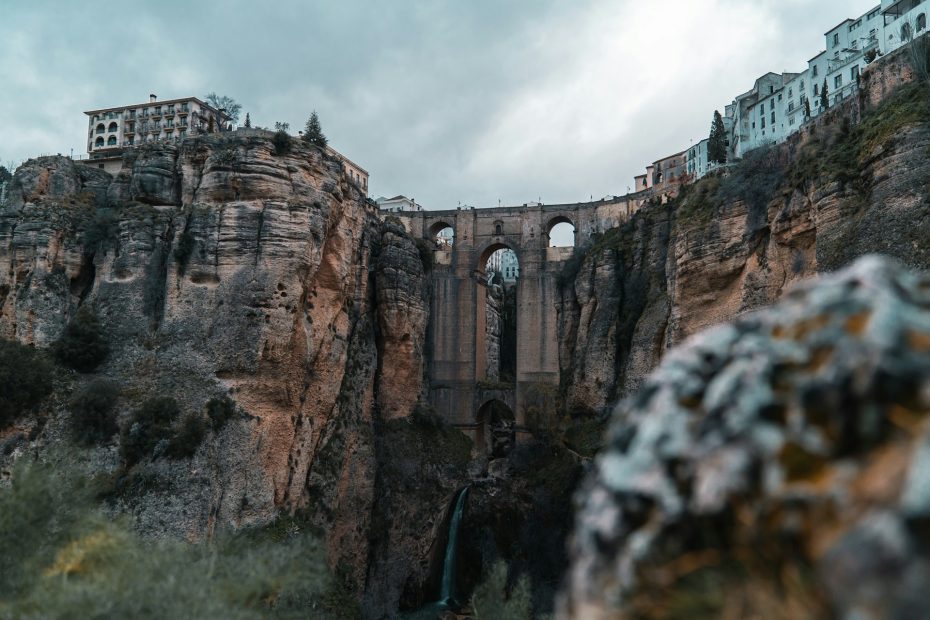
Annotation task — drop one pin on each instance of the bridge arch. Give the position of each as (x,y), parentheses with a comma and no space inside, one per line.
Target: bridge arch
(495,428)
(558,230)
(442,233)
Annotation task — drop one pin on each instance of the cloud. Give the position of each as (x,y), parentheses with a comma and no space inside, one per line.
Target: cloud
(443,101)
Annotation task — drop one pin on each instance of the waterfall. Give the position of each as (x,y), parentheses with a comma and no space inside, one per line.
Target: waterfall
(446,597)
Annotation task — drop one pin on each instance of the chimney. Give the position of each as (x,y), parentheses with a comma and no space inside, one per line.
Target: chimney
(152,98)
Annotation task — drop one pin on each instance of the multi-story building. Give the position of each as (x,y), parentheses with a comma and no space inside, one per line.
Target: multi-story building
(356,173)
(398,203)
(901,21)
(698,165)
(111,131)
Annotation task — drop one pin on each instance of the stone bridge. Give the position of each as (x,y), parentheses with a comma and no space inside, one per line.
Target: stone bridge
(457,347)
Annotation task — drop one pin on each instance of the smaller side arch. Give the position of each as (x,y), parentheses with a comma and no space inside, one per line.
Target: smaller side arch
(442,234)
(562,226)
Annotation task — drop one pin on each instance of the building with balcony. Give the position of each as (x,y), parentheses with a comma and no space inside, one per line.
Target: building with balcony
(112,131)
(902,21)
(356,174)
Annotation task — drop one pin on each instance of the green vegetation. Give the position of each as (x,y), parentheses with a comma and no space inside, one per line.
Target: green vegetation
(492,601)
(61,557)
(25,380)
(93,412)
(150,424)
(220,411)
(282,142)
(225,103)
(717,145)
(248,121)
(313,132)
(102,232)
(5,175)
(188,435)
(840,150)
(82,345)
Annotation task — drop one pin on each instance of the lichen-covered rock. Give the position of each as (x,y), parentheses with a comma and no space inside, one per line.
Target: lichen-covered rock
(786,451)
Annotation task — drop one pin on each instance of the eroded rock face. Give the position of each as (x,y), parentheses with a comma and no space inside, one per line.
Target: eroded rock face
(783,453)
(219,268)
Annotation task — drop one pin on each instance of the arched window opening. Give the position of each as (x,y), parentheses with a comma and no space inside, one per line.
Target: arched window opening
(98,142)
(906,32)
(113,127)
(498,228)
(921,22)
(111,141)
(101,128)
(502,270)
(496,429)
(561,233)
(442,235)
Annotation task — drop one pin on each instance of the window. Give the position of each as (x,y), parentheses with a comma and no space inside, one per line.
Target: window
(791,106)
(814,72)
(112,127)
(838,81)
(763,123)
(773,117)
(779,96)
(836,39)
(790,93)
(816,90)
(762,109)
(921,22)
(111,141)
(906,32)
(854,73)
(99,142)
(771,89)
(101,128)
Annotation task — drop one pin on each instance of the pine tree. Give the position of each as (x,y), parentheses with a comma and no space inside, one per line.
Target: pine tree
(248,121)
(313,133)
(807,108)
(717,145)
(824,95)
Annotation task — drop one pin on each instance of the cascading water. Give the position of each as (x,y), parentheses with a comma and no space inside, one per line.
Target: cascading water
(447,594)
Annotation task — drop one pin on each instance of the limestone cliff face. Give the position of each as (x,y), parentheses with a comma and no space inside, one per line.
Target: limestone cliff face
(734,243)
(219,267)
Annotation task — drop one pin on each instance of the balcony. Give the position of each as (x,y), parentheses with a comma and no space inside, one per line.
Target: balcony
(169,112)
(184,111)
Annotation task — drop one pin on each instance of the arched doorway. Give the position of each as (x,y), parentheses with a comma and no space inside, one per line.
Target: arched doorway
(443,235)
(498,272)
(495,433)
(560,231)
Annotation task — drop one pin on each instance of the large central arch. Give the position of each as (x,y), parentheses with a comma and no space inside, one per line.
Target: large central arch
(481,306)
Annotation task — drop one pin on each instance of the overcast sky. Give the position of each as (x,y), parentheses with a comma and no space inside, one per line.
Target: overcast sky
(470,101)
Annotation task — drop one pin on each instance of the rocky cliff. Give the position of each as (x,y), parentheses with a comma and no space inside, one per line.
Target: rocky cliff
(853,182)
(223,268)
(773,467)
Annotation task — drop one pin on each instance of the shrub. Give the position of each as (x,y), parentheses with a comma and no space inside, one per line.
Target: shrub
(102,231)
(93,412)
(490,599)
(282,142)
(184,249)
(220,411)
(62,557)
(82,345)
(150,424)
(188,435)
(25,380)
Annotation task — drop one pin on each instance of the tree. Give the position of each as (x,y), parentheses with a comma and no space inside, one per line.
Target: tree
(313,133)
(248,121)
(717,145)
(82,346)
(824,95)
(225,103)
(279,126)
(5,175)
(807,108)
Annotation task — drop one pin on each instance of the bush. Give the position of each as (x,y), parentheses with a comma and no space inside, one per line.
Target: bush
(25,380)
(150,424)
(93,412)
(220,411)
(187,436)
(62,557)
(282,142)
(184,249)
(102,231)
(490,599)
(82,345)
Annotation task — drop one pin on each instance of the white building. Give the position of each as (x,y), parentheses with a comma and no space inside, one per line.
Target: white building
(902,20)
(111,131)
(505,262)
(697,164)
(398,203)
